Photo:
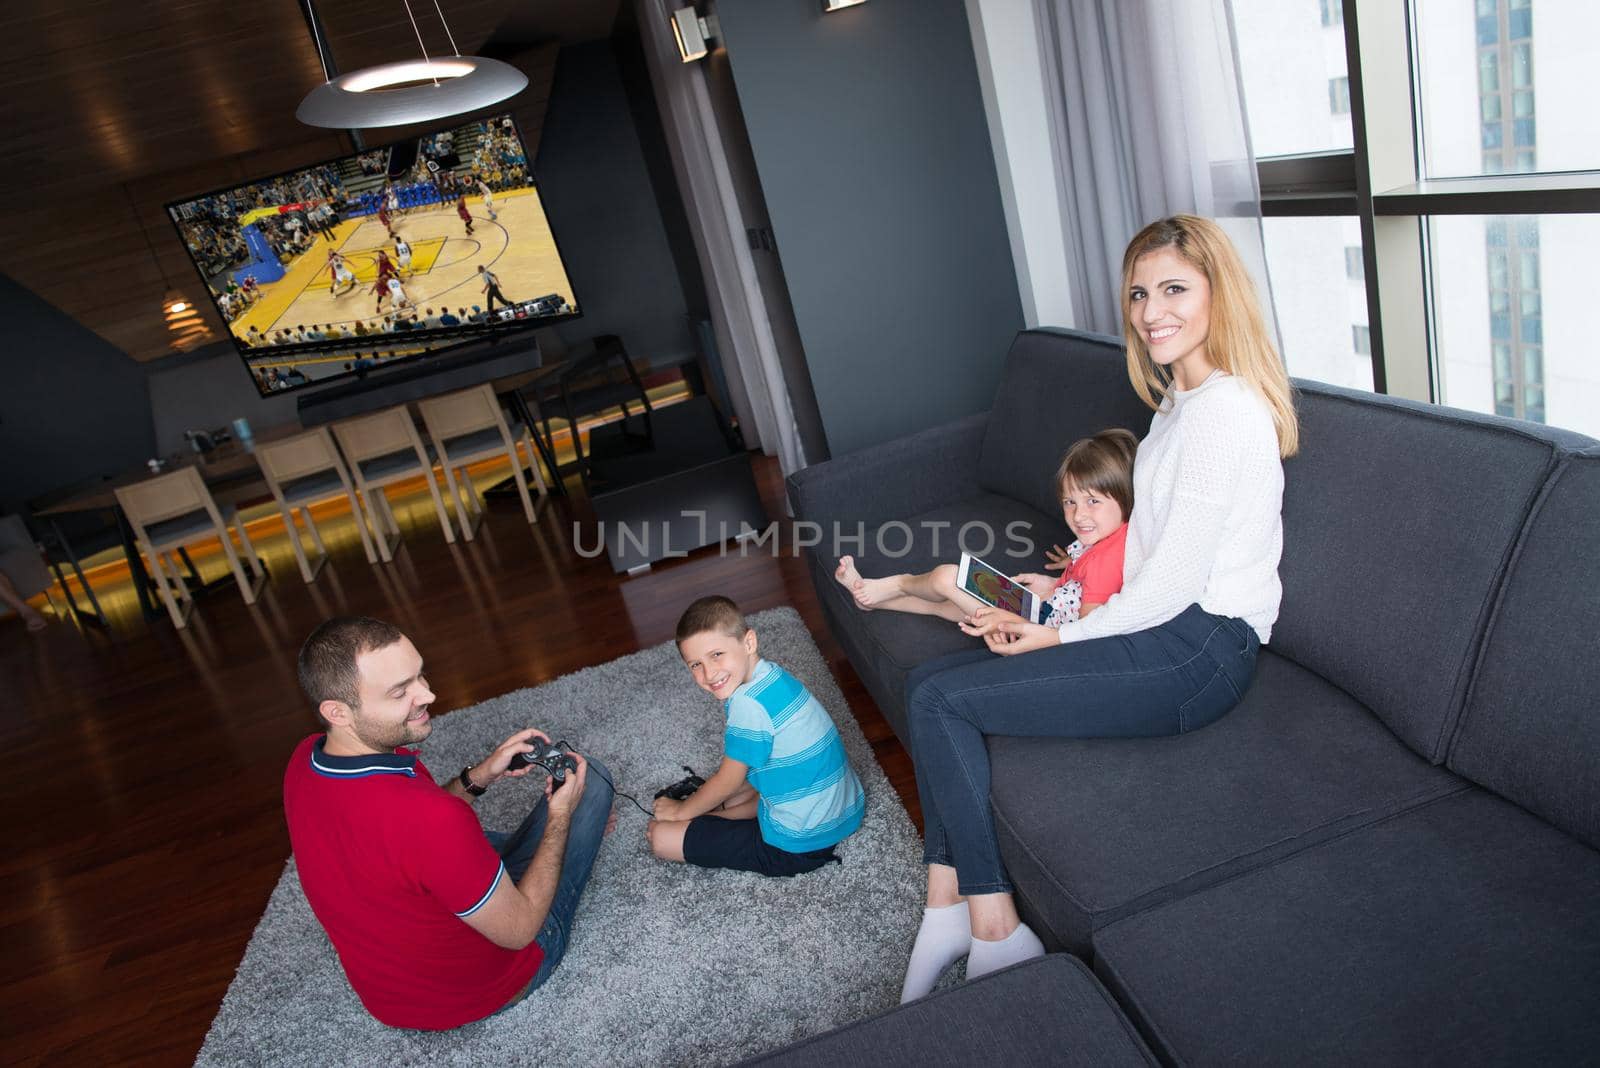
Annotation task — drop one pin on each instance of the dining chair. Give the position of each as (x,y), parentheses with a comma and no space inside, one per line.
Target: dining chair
(384,448)
(301,471)
(175,510)
(22,561)
(468,426)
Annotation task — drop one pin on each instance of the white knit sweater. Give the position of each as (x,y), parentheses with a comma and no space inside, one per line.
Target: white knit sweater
(1207,524)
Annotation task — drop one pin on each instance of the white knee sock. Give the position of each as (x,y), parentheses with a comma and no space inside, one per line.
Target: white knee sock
(1016,947)
(942,940)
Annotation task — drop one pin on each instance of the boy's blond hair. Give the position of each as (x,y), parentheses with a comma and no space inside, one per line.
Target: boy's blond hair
(715,613)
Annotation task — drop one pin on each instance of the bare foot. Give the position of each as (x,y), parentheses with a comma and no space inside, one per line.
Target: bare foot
(847,575)
(611,823)
(870,593)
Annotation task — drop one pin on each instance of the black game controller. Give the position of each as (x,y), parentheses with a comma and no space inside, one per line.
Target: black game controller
(551,758)
(685,786)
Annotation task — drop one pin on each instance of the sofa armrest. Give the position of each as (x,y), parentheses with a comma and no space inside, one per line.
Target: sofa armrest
(893,480)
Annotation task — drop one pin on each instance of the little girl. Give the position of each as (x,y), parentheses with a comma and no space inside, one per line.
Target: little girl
(1096,484)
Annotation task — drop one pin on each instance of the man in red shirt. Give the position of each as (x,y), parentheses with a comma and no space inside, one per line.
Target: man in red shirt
(436,921)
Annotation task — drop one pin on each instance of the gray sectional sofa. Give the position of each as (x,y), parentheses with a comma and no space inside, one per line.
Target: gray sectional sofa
(1389,852)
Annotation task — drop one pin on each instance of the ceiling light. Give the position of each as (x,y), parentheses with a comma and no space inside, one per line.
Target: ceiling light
(406,92)
(840,5)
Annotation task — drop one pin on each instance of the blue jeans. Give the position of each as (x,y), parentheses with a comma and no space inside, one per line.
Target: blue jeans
(1170,679)
(517,848)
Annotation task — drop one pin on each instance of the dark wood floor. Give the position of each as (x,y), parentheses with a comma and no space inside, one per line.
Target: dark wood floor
(143,794)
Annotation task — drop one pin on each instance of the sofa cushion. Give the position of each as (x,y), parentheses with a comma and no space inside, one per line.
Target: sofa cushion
(884,646)
(1461,932)
(1047,1011)
(1531,728)
(1398,519)
(1058,386)
(1092,830)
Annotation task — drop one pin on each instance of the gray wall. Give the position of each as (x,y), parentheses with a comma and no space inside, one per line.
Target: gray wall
(593,173)
(870,138)
(210,389)
(73,406)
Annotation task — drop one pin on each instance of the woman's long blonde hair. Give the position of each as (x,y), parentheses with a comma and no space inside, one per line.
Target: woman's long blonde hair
(1238,342)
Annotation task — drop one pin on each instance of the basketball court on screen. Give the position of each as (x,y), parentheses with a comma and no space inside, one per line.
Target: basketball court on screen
(518,247)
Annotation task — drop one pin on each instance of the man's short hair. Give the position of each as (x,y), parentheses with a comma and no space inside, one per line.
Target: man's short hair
(715,613)
(327,663)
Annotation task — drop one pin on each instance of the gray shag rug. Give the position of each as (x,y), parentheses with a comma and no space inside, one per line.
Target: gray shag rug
(668,964)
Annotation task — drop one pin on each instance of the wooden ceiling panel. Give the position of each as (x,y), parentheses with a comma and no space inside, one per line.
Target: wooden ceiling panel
(115,107)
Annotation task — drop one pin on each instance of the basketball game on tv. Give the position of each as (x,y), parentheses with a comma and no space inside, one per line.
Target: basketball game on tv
(381,256)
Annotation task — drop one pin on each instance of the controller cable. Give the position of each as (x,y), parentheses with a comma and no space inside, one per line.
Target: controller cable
(563,745)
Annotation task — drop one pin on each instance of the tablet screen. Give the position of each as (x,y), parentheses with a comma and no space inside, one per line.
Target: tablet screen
(994,588)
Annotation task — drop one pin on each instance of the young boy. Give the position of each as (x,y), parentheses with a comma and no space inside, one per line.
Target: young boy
(785,794)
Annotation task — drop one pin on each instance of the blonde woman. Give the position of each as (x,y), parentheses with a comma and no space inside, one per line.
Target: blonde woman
(1200,589)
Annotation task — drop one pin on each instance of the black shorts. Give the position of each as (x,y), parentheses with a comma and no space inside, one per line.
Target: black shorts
(713,842)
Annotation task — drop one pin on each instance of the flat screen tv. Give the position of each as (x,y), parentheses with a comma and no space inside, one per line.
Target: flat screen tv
(390,254)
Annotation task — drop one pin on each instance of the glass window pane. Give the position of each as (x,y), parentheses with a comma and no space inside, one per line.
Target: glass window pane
(1521,66)
(1499,271)
(1542,57)
(1321,301)
(1339,96)
(1488,72)
(1525,350)
(1293,107)
(1354,267)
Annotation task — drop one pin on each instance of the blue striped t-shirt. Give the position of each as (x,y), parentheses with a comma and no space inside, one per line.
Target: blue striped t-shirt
(810,797)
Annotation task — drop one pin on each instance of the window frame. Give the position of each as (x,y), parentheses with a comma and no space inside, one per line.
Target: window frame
(1380,182)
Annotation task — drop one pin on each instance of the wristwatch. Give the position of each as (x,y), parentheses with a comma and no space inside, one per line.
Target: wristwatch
(471,787)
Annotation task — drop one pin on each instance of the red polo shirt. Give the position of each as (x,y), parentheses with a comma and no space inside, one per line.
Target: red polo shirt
(392,863)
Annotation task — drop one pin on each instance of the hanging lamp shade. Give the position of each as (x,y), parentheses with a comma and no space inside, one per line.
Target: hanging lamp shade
(412,91)
(185,326)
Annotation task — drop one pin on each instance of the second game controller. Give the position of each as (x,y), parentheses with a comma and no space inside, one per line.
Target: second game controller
(684,787)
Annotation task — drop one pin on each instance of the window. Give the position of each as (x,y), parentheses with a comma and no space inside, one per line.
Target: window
(1339,96)
(1312,262)
(1289,104)
(1507,342)
(1492,187)
(1517,75)
(1354,267)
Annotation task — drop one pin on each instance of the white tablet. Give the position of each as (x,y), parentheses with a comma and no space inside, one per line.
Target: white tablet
(996,589)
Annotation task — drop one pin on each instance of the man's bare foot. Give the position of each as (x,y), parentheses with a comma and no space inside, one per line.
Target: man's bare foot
(611,823)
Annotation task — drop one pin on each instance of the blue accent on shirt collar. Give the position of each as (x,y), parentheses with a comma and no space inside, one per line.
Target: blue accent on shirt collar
(360,767)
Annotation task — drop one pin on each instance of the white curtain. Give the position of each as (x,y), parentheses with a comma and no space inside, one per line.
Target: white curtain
(738,312)
(1147,120)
